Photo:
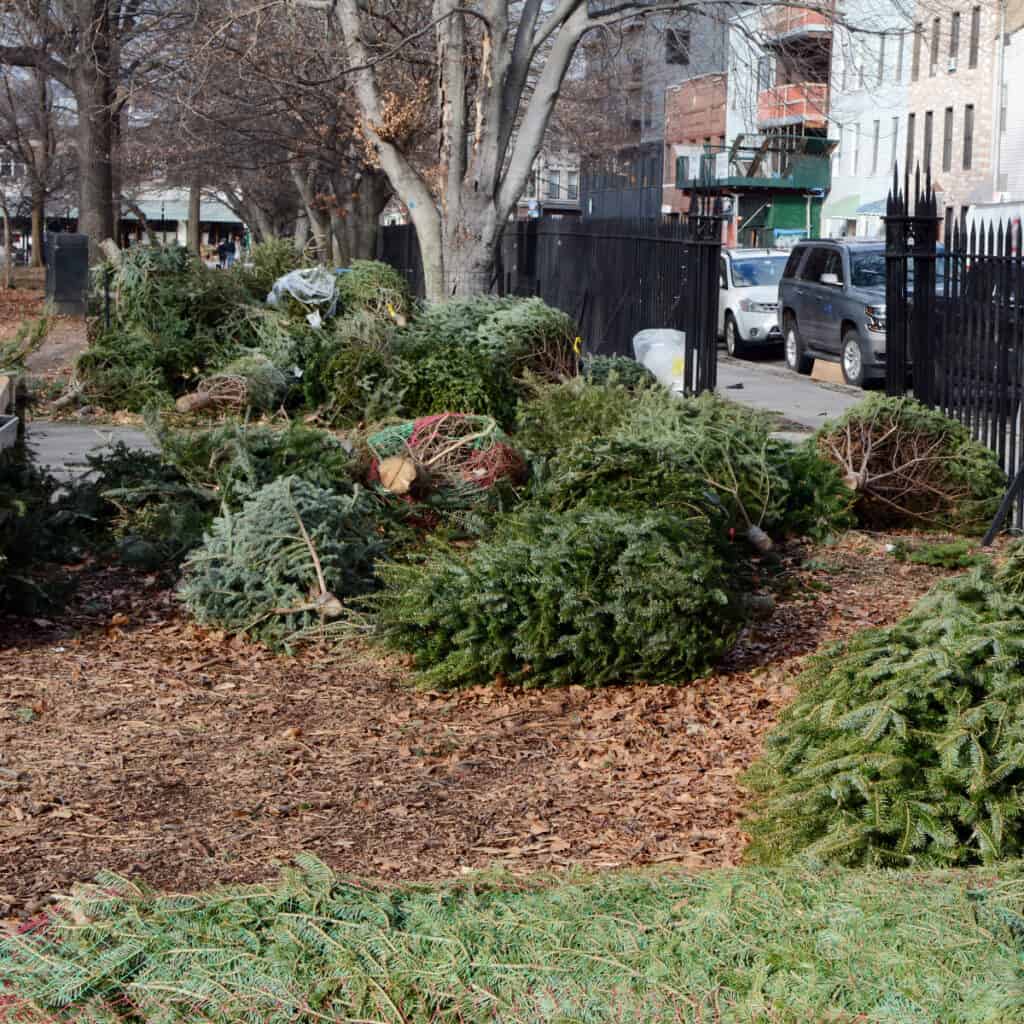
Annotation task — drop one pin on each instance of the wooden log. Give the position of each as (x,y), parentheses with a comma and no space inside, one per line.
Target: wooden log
(398,474)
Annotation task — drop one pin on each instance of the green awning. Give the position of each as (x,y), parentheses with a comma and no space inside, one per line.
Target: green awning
(843,208)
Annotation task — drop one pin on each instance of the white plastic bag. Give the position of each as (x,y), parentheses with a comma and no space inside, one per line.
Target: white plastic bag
(663,352)
(314,287)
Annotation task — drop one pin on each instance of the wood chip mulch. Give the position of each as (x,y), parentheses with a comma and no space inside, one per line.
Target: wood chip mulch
(134,741)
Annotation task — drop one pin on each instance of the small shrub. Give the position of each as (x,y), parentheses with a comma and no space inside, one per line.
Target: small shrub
(352,377)
(621,370)
(377,289)
(590,598)
(33,537)
(911,465)
(442,367)
(904,745)
(119,371)
(533,336)
(144,506)
(555,416)
(259,570)
(270,260)
(953,555)
(230,462)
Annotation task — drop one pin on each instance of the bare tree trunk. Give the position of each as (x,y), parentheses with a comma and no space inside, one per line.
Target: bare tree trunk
(8,247)
(195,238)
(40,167)
(301,236)
(38,226)
(357,221)
(319,222)
(150,234)
(94,140)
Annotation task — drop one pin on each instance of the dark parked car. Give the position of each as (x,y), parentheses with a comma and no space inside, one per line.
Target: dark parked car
(832,304)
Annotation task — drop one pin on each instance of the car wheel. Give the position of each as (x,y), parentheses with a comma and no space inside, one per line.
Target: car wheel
(796,358)
(853,360)
(733,343)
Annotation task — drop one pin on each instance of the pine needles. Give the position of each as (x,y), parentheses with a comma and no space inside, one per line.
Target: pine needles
(732,946)
(905,747)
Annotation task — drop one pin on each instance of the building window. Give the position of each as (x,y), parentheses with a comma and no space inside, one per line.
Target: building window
(972,57)
(764,73)
(682,171)
(926,153)
(881,59)
(677,46)
(915,68)
(531,185)
(574,185)
(968,136)
(947,140)
(894,144)
(954,37)
(936,32)
(856,148)
(554,184)
(911,130)
(6,167)
(899,56)
(876,133)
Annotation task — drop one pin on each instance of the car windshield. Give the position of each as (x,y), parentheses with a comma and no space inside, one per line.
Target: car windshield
(867,269)
(753,272)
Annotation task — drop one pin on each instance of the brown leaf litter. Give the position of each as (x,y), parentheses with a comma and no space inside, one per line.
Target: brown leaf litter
(135,741)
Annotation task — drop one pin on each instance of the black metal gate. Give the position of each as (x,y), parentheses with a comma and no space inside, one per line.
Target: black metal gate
(955,321)
(613,277)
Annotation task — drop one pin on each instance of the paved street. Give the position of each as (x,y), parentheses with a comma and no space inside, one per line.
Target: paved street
(61,448)
(770,385)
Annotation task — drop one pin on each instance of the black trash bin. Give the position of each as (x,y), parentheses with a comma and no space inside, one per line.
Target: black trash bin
(67,272)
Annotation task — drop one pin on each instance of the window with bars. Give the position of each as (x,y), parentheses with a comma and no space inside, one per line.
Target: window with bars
(947,140)
(926,149)
(901,42)
(894,142)
(911,131)
(554,184)
(954,36)
(881,58)
(915,69)
(574,185)
(972,57)
(936,33)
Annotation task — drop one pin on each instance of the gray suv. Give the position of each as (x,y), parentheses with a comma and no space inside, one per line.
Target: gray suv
(832,306)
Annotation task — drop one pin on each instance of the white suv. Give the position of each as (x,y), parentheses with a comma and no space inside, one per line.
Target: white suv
(748,303)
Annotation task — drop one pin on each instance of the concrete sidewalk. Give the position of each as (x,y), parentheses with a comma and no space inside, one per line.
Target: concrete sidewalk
(61,448)
(775,388)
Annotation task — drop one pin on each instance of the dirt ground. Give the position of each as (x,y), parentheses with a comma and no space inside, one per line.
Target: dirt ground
(132,740)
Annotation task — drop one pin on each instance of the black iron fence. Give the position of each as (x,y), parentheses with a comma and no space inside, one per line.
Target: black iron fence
(955,322)
(613,277)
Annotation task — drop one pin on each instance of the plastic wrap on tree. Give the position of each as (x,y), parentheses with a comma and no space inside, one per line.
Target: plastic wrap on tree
(313,287)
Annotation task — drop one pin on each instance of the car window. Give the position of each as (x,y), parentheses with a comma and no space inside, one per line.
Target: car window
(723,274)
(867,269)
(816,264)
(752,272)
(834,265)
(793,263)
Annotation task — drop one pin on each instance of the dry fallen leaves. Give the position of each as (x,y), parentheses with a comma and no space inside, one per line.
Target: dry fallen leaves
(190,758)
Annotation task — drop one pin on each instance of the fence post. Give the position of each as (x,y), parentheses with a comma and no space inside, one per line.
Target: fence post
(897,226)
(925,236)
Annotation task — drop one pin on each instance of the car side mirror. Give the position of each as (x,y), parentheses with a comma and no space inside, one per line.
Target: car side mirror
(832,279)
